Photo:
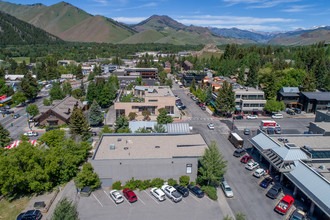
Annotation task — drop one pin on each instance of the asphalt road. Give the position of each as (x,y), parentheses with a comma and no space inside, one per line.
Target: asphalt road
(20,125)
(249,197)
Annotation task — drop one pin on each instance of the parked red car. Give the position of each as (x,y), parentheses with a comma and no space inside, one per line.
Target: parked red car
(246,159)
(130,195)
(201,104)
(284,205)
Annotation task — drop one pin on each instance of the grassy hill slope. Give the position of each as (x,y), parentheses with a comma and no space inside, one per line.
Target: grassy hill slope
(303,39)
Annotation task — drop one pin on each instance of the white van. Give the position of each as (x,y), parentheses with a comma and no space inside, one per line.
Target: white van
(277,116)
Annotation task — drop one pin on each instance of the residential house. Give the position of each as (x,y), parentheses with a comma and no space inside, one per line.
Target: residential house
(187,65)
(289,96)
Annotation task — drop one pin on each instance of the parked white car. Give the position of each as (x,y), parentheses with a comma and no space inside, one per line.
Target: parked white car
(226,189)
(277,116)
(158,194)
(252,117)
(210,126)
(259,172)
(251,165)
(31,134)
(116,196)
(171,193)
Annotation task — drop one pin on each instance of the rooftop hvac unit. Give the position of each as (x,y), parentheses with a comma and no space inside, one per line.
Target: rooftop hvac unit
(112,146)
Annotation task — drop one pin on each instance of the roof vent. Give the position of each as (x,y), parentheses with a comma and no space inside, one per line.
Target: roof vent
(125,148)
(322,167)
(157,147)
(119,139)
(112,146)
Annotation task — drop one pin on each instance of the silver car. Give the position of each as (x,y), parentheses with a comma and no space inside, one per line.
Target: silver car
(226,189)
(116,196)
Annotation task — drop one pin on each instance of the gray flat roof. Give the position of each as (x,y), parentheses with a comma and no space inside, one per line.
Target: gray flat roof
(149,146)
(323,125)
(316,187)
(321,96)
(316,142)
(263,142)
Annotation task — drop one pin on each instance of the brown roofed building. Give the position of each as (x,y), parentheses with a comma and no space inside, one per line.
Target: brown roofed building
(59,112)
(187,65)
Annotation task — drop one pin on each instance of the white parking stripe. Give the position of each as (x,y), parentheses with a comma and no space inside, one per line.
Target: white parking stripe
(110,197)
(97,200)
(151,197)
(183,200)
(141,201)
(195,198)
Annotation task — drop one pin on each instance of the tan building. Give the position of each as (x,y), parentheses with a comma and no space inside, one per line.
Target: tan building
(145,98)
(58,113)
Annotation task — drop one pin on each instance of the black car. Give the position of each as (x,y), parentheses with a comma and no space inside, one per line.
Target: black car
(8,112)
(299,214)
(31,214)
(203,108)
(266,182)
(52,128)
(17,116)
(239,152)
(196,191)
(274,192)
(181,189)
(198,102)
(238,117)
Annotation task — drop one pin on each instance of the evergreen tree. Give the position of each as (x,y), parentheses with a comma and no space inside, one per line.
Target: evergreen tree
(208,96)
(67,88)
(105,98)
(163,118)
(91,92)
(253,70)
(79,73)
(79,125)
(193,85)
(95,114)
(225,101)
(29,86)
(213,166)
(121,123)
(320,73)
(46,102)
(65,210)
(309,82)
(4,137)
(82,88)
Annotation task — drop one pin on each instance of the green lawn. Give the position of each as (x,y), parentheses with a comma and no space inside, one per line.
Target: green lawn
(10,210)
(20,59)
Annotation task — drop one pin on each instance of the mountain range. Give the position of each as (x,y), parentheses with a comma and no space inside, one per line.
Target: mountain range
(73,24)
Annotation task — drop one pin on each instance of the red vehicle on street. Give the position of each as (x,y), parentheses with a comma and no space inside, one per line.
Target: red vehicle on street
(246,159)
(130,195)
(284,205)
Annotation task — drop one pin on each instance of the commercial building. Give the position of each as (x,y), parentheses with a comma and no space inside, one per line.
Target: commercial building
(189,77)
(312,101)
(147,156)
(58,113)
(145,98)
(320,128)
(146,73)
(302,163)
(289,96)
(249,100)
(174,128)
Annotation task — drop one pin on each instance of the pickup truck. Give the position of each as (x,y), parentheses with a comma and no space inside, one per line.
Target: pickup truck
(171,193)
(31,133)
(284,205)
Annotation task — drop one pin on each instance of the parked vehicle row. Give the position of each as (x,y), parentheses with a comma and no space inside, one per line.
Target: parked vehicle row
(174,193)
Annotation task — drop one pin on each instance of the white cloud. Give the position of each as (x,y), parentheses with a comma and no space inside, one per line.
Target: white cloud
(251,27)
(208,20)
(259,3)
(130,20)
(298,8)
(150,4)
(101,2)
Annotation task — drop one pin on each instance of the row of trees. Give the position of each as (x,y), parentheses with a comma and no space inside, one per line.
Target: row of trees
(30,169)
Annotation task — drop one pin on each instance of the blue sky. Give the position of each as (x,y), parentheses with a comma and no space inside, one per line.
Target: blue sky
(260,15)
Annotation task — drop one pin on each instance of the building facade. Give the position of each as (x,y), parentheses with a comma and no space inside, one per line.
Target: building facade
(312,101)
(146,98)
(289,96)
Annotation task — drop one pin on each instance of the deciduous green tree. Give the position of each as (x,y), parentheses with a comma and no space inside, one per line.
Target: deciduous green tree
(56,92)
(67,88)
(18,98)
(163,117)
(87,177)
(274,106)
(121,123)
(146,114)
(225,102)
(132,116)
(29,86)
(46,102)
(213,165)
(33,110)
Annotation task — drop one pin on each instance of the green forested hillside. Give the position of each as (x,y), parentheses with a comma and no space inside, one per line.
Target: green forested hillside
(16,32)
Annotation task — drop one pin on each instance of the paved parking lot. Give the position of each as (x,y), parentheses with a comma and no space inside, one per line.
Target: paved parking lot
(147,207)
